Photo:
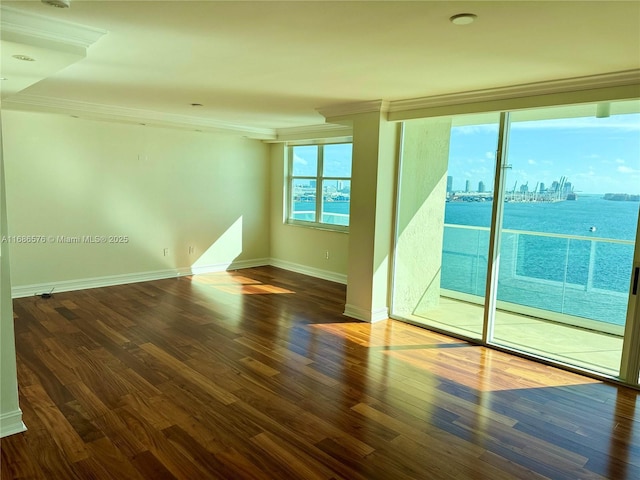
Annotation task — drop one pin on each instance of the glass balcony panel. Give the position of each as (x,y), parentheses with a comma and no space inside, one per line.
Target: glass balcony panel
(464,260)
(303,199)
(336,202)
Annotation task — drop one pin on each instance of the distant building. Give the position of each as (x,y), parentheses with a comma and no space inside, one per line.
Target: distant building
(567,188)
(480,186)
(467,186)
(449,184)
(542,189)
(524,188)
(621,197)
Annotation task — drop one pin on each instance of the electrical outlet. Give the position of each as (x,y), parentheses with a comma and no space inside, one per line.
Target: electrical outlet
(326,255)
(191,249)
(165,252)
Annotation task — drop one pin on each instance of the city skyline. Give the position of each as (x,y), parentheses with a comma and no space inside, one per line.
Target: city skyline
(482,188)
(598,155)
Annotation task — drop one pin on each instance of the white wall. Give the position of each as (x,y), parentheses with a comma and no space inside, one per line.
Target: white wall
(302,249)
(423,186)
(10,413)
(161,188)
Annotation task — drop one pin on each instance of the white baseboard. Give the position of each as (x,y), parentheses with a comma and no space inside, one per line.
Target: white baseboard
(223,267)
(312,272)
(111,280)
(365,315)
(85,283)
(11,423)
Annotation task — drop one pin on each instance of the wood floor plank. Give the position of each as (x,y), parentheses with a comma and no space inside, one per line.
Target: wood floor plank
(55,422)
(16,461)
(257,375)
(112,460)
(294,461)
(190,374)
(150,467)
(130,435)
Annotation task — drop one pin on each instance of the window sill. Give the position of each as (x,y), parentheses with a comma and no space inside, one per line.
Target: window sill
(318,226)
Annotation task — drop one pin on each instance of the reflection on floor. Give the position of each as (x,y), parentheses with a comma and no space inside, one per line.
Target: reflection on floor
(583,348)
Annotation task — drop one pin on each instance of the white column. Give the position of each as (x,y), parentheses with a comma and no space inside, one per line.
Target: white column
(10,413)
(375,147)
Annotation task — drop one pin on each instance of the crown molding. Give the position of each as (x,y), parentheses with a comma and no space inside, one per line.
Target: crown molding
(615,79)
(312,132)
(18,24)
(344,109)
(396,107)
(130,115)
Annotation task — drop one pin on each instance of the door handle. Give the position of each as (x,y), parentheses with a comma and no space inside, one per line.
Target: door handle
(636,273)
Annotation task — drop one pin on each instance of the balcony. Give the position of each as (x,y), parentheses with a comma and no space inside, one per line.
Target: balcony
(560,296)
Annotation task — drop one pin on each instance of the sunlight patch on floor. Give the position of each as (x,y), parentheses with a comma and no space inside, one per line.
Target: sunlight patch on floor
(228,282)
(448,358)
(387,333)
(560,342)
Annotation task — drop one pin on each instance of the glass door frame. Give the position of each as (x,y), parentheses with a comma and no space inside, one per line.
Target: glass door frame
(629,372)
(495,229)
(630,363)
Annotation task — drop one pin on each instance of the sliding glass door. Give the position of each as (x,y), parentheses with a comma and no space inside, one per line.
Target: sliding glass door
(564,227)
(444,219)
(568,235)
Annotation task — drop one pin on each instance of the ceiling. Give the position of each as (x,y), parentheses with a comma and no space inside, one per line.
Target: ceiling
(267,65)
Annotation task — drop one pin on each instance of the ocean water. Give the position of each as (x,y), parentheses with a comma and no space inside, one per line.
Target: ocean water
(585,277)
(306,212)
(612,219)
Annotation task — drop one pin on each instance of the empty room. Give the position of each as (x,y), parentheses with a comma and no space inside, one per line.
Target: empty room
(319,239)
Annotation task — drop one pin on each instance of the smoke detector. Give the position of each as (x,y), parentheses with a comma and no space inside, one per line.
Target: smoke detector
(57,3)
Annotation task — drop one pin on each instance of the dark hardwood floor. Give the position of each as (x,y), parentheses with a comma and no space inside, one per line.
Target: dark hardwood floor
(256,374)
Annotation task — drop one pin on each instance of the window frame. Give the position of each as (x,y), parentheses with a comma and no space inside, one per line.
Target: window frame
(319,179)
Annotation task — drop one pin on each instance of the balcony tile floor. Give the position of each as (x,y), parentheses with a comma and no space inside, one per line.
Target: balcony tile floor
(575,346)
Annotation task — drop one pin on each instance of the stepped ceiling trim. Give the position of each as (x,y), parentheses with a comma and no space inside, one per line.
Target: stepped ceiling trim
(313,132)
(344,109)
(130,115)
(23,24)
(615,79)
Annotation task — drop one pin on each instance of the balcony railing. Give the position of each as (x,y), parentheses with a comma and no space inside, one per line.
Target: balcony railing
(572,279)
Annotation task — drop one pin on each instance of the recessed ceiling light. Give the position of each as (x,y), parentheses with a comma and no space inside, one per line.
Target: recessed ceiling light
(2,78)
(197,105)
(463,18)
(57,3)
(24,58)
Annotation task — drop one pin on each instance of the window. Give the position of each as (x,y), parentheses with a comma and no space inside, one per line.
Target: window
(320,185)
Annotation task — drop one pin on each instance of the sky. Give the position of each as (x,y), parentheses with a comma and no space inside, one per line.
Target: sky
(597,155)
(336,160)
